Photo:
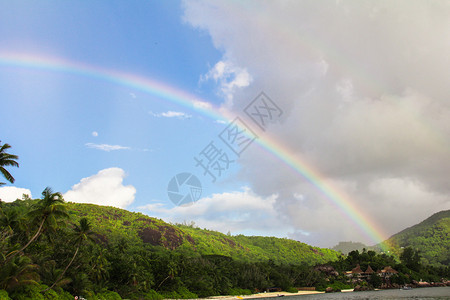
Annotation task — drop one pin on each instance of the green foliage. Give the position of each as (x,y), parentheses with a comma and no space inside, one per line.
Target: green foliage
(411,259)
(28,292)
(186,294)
(117,225)
(150,295)
(4,295)
(7,159)
(336,286)
(170,295)
(108,295)
(399,279)
(292,290)
(239,292)
(431,237)
(376,281)
(17,273)
(132,256)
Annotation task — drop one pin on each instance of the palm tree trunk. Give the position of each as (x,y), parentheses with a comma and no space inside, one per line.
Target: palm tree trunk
(64,272)
(162,282)
(29,242)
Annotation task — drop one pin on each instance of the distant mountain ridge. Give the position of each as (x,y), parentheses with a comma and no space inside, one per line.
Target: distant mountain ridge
(346,247)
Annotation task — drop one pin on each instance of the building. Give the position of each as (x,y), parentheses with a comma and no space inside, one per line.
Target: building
(358,273)
(387,272)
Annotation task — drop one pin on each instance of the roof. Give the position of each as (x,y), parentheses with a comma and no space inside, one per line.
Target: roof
(357,270)
(369,270)
(388,269)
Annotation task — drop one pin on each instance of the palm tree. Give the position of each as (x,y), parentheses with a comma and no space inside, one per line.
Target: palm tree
(171,268)
(7,159)
(82,233)
(9,220)
(18,272)
(99,264)
(48,211)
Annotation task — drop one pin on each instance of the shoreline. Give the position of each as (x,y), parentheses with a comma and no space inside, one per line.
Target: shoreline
(266,295)
(271,295)
(287,294)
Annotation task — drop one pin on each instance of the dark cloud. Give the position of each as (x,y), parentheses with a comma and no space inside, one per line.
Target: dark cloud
(364,87)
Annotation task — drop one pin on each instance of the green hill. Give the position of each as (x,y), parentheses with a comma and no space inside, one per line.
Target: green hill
(50,249)
(431,237)
(113,224)
(93,251)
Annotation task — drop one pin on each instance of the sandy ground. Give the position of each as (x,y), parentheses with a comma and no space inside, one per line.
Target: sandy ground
(266,295)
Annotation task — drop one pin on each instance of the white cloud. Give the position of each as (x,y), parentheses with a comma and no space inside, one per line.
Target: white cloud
(171,114)
(229,77)
(104,188)
(94,133)
(365,100)
(238,211)
(106,147)
(202,105)
(12,193)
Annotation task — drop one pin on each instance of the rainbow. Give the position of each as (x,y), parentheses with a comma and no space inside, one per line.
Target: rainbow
(168,93)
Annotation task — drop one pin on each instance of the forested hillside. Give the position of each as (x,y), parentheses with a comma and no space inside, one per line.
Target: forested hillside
(50,249)
(114,224)
(431,237)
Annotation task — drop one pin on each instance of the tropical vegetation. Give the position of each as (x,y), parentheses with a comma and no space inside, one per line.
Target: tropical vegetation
(430,236)
(7,160)
(51,249)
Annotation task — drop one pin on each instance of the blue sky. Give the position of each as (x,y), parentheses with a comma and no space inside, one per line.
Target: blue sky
(364,99)
(52,115)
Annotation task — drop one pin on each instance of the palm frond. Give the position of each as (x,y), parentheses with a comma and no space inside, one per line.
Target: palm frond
(7,175)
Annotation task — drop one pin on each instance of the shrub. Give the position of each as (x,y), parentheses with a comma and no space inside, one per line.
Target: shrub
(50,294)
(337,285)
(4,295)
(64,295)
(153,295)
(170,295)
(108,295)
(186,294)
(28,292)
(291,290)
(237,292)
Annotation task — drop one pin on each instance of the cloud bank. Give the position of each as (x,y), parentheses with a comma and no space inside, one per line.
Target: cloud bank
(364,90)
(12,193)
(104,188)
(237,212)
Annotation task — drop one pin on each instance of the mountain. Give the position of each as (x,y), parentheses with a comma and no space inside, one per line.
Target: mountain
(346,247)
(431,237)
(113,224)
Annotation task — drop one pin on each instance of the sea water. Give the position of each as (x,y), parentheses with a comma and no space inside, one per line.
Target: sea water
(418,294)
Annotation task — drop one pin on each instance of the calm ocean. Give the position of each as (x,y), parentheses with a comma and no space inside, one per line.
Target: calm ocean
(420,293)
